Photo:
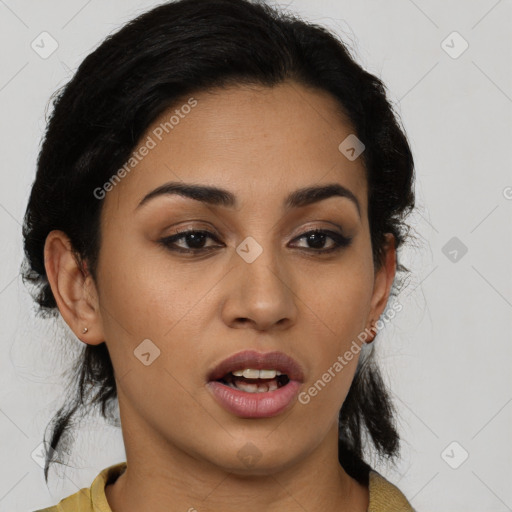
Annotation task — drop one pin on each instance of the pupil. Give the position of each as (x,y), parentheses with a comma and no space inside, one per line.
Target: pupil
(321,238)
(195,240)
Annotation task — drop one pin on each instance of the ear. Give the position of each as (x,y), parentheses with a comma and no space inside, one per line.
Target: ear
(383,281)
(73,288)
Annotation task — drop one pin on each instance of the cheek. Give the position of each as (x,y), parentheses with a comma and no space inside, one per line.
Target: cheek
(144,296)
(337,349)
(146,291)
(342,298)
(324,394)
(150,336)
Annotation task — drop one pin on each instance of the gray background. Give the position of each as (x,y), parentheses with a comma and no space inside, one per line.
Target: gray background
(447,354)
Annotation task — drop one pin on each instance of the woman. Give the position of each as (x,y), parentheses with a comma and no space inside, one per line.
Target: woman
(218,205)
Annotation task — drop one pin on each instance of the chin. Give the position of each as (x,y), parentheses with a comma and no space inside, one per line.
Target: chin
(251,460)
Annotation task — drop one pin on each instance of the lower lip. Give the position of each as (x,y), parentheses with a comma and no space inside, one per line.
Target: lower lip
(254,405)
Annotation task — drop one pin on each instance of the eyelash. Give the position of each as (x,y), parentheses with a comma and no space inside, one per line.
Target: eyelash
(340,241)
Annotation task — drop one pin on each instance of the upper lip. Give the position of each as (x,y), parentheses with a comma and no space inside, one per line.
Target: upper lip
(258,361)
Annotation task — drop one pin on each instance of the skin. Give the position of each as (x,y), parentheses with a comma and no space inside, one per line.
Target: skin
(181,445)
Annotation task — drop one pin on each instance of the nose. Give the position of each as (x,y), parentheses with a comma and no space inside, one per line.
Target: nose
(260,295)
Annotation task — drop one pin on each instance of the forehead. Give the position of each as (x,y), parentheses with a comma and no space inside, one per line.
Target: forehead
(259,142)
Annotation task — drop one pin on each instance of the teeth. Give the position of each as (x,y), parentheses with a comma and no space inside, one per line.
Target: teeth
(255,388)
(272,386)
(249,373)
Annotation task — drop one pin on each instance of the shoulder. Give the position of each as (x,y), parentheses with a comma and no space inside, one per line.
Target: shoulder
(90,499)
(385,497)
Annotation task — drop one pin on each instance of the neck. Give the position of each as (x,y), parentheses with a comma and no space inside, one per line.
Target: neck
(162,477)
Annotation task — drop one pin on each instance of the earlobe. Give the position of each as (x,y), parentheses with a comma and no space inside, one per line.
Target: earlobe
(70,287)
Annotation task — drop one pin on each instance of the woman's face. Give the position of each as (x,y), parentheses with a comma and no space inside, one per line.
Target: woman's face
(255,281)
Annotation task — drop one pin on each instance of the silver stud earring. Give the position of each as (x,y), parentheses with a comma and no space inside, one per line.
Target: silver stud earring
(85,330)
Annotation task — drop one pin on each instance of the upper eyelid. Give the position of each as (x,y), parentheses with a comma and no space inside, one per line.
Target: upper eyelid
(211,229)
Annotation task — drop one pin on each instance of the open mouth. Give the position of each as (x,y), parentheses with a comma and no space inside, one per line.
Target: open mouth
(252,384)
(255,381)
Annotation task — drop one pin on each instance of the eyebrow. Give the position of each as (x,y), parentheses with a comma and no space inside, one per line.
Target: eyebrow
(221,197)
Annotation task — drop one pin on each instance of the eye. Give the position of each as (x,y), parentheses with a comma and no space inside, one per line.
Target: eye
(318,237)
(195,239)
